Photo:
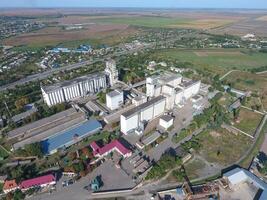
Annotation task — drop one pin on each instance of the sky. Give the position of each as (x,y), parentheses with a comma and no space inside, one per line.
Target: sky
(258,4)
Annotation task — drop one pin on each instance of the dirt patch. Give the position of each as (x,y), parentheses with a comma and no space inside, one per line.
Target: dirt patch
(215,134)
(201,53)
(262,18)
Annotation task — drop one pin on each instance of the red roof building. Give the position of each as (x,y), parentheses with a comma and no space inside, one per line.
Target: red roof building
(41,181)
(115,145)
(9,186)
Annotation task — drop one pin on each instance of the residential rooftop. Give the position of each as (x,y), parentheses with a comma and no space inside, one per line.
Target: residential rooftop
(10,184)
(38,181)
(115,144)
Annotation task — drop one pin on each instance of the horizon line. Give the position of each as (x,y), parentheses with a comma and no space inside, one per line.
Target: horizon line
(111,7)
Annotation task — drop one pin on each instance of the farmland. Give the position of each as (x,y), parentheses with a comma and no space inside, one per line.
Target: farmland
(217,60)
(165,22)
(94,34)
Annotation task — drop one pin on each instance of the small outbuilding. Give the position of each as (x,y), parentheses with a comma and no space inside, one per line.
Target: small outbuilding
(114,99)
(10,186)
(166,121)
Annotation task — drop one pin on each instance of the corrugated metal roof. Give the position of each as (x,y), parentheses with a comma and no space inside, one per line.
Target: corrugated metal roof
(71,136)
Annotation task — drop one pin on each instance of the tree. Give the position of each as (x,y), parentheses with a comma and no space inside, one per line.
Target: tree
(20,103)
(34,149)
(236,113)
(18,195)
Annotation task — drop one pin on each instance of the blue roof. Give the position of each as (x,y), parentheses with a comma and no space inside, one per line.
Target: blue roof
(70,136)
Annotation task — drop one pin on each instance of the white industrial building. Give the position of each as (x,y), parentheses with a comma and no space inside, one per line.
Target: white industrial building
(112,71)
(173,87)
(114,99)
(239,176)
(81,86)
(69,90)
(138,100)
(166,121)
(135,118)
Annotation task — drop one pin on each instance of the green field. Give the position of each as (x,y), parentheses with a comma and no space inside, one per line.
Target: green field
(145,21)
(223,147)
(3,153)
(193,168)
(217,60)
(248,121)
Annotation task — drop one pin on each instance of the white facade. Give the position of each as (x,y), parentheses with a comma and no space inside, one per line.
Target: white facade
(138,100)
(75,88)
(190,89)
(112,72)
(114,99)
(132,119)
(172,87)
(166,121)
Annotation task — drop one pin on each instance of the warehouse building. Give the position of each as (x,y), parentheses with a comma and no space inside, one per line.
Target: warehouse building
(238,176)
(173,87)
(46,126)
(135,118)
(114,99)
(70,136)
(78,87)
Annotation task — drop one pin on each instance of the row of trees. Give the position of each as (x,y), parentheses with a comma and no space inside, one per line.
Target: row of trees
(34,149)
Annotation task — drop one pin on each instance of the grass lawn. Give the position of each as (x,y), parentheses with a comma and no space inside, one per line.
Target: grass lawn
(3,153)
(248,121)
(193,167)
(217,60)
(226,100)
(223,147)
(255,150)
(250,82)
